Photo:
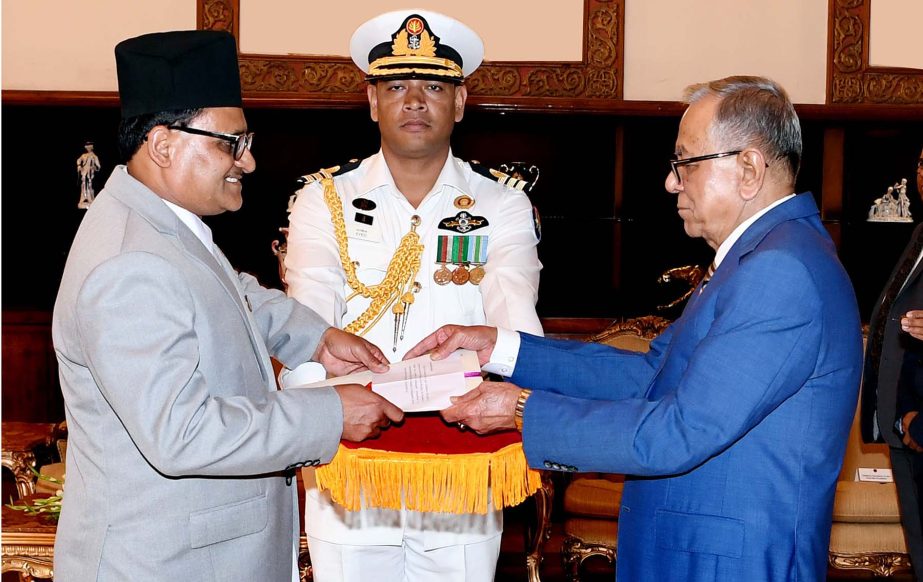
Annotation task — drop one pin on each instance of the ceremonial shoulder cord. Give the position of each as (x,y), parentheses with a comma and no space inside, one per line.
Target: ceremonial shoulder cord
(399,282)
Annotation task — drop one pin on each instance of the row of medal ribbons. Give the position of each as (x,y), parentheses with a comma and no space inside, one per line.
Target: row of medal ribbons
(462,251)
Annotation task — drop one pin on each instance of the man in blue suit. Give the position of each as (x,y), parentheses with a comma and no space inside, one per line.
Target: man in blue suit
(732,428)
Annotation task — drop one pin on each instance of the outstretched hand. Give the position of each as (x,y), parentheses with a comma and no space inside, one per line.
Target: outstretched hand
(365,414)
(912,323)
(488,408)
(343,353)
(449,338)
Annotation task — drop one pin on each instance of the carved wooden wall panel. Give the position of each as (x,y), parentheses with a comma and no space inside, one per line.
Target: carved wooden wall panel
(31,392)
(598,77)
(850,78)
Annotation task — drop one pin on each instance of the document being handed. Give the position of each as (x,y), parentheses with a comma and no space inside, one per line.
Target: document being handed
(420,384)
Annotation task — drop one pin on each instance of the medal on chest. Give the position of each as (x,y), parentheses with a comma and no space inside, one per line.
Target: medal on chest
(466,253)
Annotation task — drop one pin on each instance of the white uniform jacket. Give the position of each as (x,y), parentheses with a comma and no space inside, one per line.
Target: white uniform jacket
(505,297)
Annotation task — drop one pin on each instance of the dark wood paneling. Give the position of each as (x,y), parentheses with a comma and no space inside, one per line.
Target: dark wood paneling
(875,156)
(609,227)
(31,392)
(832,113)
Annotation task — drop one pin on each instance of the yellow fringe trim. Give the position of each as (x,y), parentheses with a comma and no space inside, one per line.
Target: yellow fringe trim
(431,482)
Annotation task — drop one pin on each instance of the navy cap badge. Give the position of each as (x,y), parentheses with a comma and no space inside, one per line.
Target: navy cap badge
(417,44)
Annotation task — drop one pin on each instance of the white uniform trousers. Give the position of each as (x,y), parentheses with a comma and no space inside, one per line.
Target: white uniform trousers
(409,562)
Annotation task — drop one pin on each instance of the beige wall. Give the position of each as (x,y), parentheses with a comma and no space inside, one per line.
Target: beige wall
(894,31)
(68,45)
(512,30)
(672,43)
(60,45)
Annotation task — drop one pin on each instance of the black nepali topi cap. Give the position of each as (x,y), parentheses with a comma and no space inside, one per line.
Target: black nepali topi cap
(185,69)
(417,44)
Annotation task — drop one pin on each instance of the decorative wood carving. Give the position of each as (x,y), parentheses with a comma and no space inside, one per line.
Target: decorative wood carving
(646,327)
(28,545)
(29,568)
(881,563)
(850,78)
(336,79)
(855,91)
(537,537)
(574,551)
(305,572)
(219,15)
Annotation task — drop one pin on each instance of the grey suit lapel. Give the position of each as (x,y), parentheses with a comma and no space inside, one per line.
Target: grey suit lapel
(221,268)
(142,200)
(258,345)
(225,275)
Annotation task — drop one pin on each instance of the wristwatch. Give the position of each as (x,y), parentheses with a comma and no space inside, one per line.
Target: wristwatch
(521,407)
(899,427)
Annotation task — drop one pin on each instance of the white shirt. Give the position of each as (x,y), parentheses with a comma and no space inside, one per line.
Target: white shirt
(195,224)
(735,235)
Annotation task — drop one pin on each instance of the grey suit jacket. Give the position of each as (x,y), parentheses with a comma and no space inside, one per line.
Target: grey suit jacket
(177,434)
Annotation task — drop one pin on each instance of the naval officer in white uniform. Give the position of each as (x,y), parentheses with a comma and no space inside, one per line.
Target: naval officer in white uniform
(397,245)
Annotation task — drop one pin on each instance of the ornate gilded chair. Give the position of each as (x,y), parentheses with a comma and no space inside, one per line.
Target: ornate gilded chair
(592,500)
(54,469)
(524,176)
(866,532)
(279,249)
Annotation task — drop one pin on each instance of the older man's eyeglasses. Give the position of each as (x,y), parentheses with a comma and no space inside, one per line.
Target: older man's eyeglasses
(240,142)
(676,163)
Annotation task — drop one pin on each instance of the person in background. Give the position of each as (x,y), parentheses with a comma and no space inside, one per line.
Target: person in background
(395,246)
(732,429)
(894,355)
(181,450)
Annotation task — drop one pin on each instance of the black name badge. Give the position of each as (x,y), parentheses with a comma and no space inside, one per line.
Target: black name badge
(364,204)
(463,222)
(364,218)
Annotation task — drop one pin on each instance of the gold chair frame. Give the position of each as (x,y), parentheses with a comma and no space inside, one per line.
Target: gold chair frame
(575,550)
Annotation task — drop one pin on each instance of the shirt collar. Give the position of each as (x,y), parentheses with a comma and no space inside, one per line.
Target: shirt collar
(735,235)
(195,224)
(452,175)
(378,175)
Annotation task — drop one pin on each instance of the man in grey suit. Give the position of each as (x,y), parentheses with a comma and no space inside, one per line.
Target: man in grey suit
(181,450)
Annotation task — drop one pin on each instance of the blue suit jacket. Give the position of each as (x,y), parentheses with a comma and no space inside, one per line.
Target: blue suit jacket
(733,426)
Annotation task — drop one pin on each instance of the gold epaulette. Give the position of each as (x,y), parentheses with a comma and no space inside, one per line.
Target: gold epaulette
(318,176)
(501,178)
(332,171)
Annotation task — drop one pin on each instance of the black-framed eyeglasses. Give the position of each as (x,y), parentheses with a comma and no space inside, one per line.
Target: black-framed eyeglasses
(240,141)
(676,164)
